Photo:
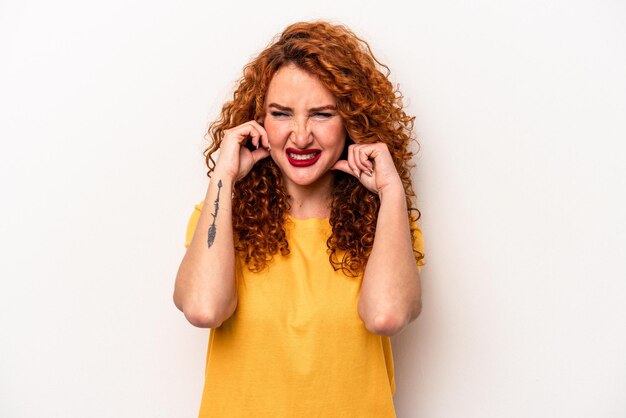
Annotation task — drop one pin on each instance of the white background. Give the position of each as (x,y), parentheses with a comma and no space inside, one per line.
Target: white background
(521,180)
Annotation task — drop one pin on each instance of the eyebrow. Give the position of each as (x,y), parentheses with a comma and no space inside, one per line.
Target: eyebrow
(313,109)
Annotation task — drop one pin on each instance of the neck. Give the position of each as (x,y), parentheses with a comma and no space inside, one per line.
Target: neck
(310,201)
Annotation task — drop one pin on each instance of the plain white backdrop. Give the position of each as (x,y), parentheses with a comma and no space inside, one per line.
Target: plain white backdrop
(521,182)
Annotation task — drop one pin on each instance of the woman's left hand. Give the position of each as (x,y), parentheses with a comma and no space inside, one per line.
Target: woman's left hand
(372,165)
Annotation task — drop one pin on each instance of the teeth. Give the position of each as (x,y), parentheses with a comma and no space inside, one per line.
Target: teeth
(302,156)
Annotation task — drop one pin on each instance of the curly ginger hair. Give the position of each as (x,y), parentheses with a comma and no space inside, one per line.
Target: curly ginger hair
(372,111)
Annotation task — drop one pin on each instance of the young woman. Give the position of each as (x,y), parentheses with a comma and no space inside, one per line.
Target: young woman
(303,258)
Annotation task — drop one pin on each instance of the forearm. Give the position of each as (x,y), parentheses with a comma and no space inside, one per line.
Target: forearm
(390,295)
(205,287)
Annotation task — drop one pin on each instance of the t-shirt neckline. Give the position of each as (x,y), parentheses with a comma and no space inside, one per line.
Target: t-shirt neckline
(309,222)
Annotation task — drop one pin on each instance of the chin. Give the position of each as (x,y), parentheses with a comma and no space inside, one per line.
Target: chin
(306,180)
(326,176)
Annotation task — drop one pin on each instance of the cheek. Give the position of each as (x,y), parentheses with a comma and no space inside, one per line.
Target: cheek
(334,136)
(275,131)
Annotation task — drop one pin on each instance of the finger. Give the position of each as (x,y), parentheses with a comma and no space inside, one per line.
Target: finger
(239,133)
(361,159)
(265,142)
(342,165)
(245,132)
(352,160)
(259,154)
(254,133)
(369,163)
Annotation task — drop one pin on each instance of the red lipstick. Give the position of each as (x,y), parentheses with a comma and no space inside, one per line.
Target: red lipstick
(302,157)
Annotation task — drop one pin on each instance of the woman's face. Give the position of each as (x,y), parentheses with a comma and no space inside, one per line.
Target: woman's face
(305,132)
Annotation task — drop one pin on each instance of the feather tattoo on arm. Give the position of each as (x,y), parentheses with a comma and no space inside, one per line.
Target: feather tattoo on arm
(213,228)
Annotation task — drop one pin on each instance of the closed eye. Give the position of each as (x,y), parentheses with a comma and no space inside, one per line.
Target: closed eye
(323,115)
(279,114)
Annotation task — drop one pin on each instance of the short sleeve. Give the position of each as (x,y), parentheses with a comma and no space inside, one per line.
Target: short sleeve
(418,244)
(193,222)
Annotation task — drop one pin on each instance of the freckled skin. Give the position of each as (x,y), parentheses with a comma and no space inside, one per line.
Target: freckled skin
(302,126)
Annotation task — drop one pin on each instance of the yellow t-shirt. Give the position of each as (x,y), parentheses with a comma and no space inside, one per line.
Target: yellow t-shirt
(296,346)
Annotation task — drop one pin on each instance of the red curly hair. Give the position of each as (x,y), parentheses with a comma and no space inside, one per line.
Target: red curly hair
(371,110)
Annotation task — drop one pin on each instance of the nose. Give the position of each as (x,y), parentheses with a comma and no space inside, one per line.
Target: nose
(301,133)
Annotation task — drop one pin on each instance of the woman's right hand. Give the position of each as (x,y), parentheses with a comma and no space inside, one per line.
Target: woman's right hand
(235,159)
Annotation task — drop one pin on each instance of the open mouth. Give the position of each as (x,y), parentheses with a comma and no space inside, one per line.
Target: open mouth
(303,158)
